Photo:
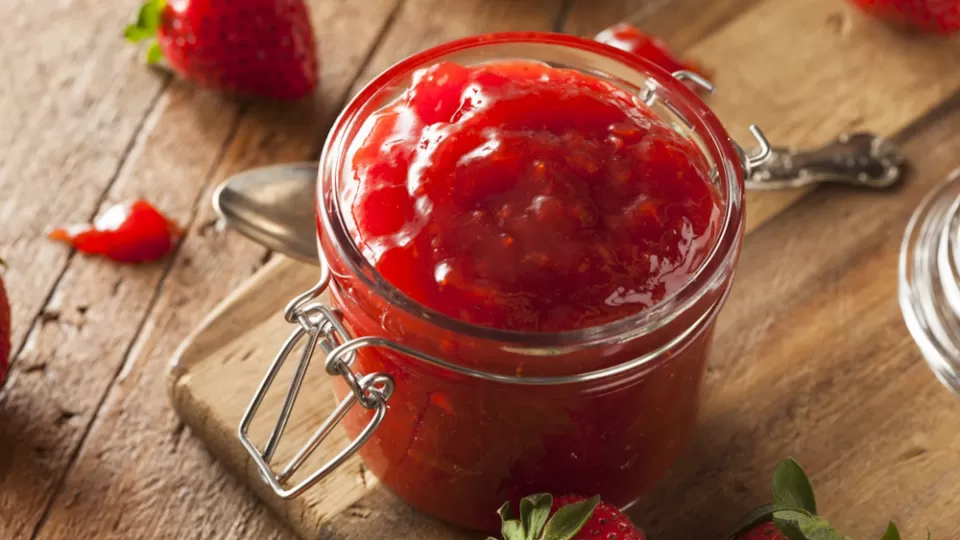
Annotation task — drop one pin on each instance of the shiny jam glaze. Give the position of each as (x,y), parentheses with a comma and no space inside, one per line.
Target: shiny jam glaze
(479,191)
(523,197)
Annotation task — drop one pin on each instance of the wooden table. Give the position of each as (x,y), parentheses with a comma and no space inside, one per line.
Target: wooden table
(89,446)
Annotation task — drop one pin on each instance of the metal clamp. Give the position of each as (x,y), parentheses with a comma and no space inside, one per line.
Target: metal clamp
(321,327)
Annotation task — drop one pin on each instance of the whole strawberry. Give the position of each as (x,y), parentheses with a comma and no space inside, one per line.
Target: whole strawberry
(793,514)
(566,518)
(763,531)
(932,16)
(263,48)
(4,332)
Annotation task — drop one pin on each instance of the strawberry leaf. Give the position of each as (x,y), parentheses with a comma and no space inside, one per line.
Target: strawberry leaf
(154,54)
(510,528)
(534,511)
(791,488)
(136,34)
(892,533)
(567,522)
(147,22)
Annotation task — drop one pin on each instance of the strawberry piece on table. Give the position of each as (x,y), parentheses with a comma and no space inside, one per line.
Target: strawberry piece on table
(130,232)
(566,518)
(931,16)
(629,38)
(263,48)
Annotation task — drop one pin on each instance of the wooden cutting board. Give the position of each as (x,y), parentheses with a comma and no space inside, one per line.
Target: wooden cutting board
(811,356)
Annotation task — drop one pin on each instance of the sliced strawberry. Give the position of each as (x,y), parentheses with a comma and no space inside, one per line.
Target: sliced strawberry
(129,232)
(629,38)
(262,48)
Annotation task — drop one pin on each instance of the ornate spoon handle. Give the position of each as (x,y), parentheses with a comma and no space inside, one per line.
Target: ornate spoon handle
(859,159)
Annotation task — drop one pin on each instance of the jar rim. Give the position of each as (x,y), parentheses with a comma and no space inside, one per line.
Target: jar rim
(712,270)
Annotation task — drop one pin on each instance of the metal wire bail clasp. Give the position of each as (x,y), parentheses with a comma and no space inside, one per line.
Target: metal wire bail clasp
(321,327)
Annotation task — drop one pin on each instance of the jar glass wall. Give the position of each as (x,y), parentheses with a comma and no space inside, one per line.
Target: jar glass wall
(602,410)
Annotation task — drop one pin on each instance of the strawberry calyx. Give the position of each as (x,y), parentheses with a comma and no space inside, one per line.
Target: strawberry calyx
(145,28)
(535,522)
(794,511)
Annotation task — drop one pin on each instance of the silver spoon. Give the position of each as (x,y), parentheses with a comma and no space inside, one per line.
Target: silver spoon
(273,206)
(276,205)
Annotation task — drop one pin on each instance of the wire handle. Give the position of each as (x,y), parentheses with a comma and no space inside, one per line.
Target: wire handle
(321,327)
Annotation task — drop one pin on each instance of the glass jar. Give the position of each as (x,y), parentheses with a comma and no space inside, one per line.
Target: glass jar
(929,284)
(454,418)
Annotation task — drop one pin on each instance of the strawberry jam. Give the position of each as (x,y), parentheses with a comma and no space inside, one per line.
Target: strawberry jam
(523,197)
(556,249)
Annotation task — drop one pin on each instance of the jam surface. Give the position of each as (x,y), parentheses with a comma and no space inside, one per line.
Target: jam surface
(524,197)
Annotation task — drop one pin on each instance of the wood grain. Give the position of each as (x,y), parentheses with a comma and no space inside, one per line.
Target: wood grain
(70,110)
(349,504)
(670,20)
(94,294)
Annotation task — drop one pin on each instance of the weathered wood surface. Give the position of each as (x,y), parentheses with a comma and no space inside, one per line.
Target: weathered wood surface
(90,448)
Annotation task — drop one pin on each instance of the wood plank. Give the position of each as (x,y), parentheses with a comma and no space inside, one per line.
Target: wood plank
(806,88)
(165,457)
(94,93)
(171,165)
(681,23)
(81,338)
(425,23)
(71,109)
(843,387)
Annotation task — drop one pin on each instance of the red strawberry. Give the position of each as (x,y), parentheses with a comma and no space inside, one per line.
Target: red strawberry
(764,531)
(4,332)
(567,518)
(263,48)
(128,232)
(933,16)
(629,38)
(793,514)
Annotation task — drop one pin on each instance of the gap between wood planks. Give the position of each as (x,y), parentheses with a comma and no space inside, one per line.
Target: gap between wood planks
(137,140)
(134,140)
(167,266)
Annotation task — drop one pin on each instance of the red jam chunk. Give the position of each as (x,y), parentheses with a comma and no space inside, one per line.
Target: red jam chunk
(524,197)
